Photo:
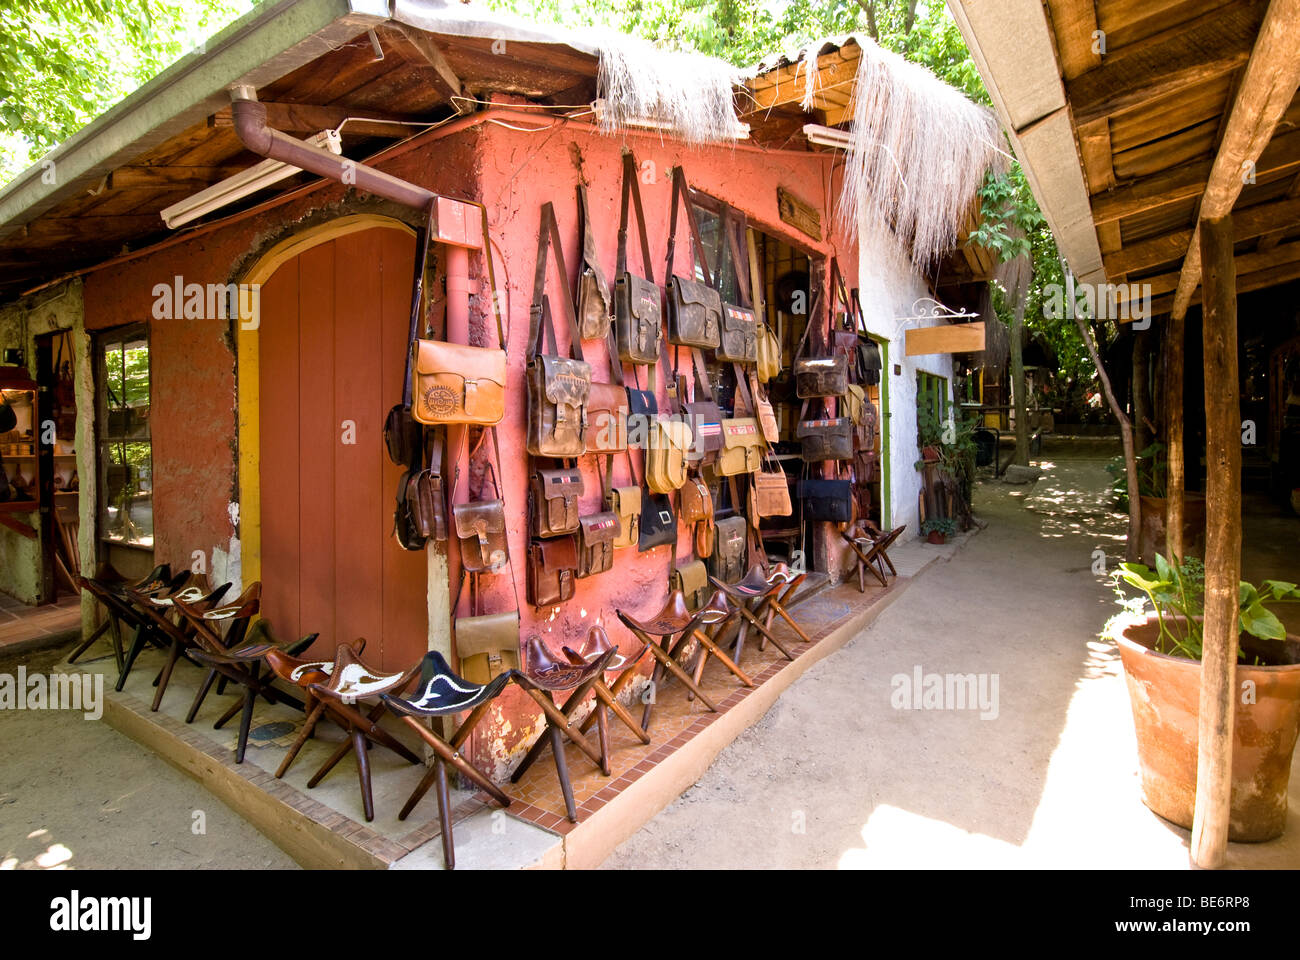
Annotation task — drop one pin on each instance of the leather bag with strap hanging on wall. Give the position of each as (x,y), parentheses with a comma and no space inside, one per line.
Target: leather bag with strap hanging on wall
(558,386)
(552,570)
(553,501)
(638,310)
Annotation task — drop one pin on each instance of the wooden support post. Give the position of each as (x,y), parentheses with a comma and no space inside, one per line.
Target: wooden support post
(1175,482)
(1222,547)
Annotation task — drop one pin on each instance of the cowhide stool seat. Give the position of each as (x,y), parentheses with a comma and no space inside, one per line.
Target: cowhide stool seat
(349,682)
(157,612)
(440,692)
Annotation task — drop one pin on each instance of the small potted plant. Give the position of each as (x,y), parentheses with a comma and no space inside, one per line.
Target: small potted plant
(1161,654)
(939,529)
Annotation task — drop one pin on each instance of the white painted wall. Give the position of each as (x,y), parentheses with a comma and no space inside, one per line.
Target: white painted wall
(889,286)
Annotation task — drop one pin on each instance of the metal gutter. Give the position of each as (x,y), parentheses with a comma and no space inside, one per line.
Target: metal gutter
(1011,44)
(269,42)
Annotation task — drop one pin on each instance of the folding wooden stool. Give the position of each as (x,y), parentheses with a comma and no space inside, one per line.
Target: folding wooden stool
(107,579)
(242,664)
(871,546)
(234,618)
(760,589)
(777,603)
(349,682)
(597,644)
(542,676)
(665,634)
(155,622)
(440,692)
(302,674)
(717,614)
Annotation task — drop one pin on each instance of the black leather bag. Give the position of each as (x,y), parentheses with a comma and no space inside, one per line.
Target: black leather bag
(830,500)
(658,522)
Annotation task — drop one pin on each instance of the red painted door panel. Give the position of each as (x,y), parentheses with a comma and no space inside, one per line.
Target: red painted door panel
(331,353)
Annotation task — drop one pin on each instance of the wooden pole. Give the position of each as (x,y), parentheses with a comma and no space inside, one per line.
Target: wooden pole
(1222,547)
(1140,393)
(1175,481)
(1133,543)
(1018,399)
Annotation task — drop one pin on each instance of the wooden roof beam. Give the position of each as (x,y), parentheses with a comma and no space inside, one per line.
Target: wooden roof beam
(1266,90)
(1247,263)
(442,75)
(312,118)
(1248,223)
(1209,46)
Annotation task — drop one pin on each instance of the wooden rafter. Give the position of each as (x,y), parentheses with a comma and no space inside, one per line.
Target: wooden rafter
(1213,44)
(442,75)
(1266,90)
(836,70)
(299,118)
(1249,223)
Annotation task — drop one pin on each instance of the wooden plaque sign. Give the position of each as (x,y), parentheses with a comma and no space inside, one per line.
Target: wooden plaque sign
(802,216)
(946,338)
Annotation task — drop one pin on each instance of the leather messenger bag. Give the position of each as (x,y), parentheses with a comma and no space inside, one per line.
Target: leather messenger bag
(552,569)
(694,308)
(558,386)
(481,524)
(595,304)
(638,310)
(486,644)
(460,383)
(553,501)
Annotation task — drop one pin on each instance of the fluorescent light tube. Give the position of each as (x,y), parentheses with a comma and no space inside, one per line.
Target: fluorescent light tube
(826,136)
(246,182)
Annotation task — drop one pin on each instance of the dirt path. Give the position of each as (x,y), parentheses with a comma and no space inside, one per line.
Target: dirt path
(837,776)
(76,794)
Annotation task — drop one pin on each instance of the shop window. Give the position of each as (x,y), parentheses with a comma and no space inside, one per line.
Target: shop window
(931,396)
(125,444)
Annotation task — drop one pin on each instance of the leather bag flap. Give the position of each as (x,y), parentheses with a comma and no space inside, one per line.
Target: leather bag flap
(558,554)
(488,633)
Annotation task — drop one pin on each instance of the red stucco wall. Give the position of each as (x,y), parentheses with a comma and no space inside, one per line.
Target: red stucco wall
(513,172)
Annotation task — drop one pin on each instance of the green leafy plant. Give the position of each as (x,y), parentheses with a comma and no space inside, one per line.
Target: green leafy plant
(945,525)
(1151,466)
(1177,593)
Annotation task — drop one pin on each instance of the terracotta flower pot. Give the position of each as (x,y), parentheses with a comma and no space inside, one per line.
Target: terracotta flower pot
(930,454)
(1165,693)
(937,536)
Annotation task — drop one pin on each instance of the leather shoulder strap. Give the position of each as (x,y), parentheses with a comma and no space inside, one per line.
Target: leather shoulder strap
(632,191)
(539,317)
(681,196)
(417,295)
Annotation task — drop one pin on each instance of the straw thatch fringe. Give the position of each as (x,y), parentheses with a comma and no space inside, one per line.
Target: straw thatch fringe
(691,93)
(919,150)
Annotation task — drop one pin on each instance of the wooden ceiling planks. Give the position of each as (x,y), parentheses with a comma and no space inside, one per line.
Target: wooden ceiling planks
(1149,118)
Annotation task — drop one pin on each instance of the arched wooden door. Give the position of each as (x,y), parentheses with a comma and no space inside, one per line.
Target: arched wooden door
(332,344)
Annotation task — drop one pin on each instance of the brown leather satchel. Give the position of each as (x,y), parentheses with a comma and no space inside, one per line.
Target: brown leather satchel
(697,509)
(638,311)
(826,439)
(625,502)
(692,579)
(606,418)
(456,383)
(728,560)
(772,493)
(406,525)
(739,340)
(558,386)
(460,383)
(487,644)
(430,499)
(595,306)
(665,460)
(694,312)
(743,446)
(767,421)
(596,543)
(702,413)
(552,566)
(821,376)
(553,501)
(481,529)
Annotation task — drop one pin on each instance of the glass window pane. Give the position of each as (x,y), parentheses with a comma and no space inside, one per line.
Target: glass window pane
(128,493)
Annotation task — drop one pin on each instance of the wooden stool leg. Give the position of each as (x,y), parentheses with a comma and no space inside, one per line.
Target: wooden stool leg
(85,644)
(115,631)
(727,662)
(308,728)
(656,678)
(418,793)
(562,769)
(363,772)
(610,699)
(137,644)
(458,762)
(781,611)
(200,694)
(166,675)
(332,762)
(444,814)
(602,727)
(245,722)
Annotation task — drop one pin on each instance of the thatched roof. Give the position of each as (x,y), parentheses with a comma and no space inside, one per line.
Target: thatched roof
(918,148)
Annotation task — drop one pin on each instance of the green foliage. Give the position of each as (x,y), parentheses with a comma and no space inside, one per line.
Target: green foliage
(1151,466)
(63,62)
(945,525)
(1177,593)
